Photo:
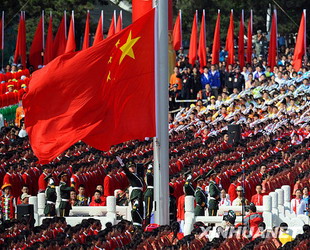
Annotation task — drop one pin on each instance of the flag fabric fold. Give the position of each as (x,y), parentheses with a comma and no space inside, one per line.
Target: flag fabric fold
(111,31)
(192,54)
(230,40)
(241,41)
(273,48)
(216,41)
(60,38)
(94,94)
(249,42)
(99,31)
(86,32)
(300,46)
(202,53)
(177,32)
(71,46)
(35,57)
(49,50)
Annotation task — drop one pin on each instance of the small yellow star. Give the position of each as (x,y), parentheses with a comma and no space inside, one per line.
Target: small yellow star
(127,47)
(110,60)
(109,77)
(117,43)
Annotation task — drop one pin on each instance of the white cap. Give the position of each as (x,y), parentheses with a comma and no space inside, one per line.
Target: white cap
(24,196)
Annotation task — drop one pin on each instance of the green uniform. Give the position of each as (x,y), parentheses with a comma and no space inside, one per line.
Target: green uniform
(136,217)
(214,193)
(201,202)
(172,208)
(189,189)
(65,206)
(149,196)
(51,197)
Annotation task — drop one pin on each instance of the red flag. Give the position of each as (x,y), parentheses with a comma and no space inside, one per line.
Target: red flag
(216,40)
(192,54)
(112,25)
(62,109)
(2,32)
(230,40)
(99,31)
(49,52)
(119,24)
(71,37)
(272,52)
(300,46)
(20,49)
(241,41)
(37,47)
(86,33)
(177,32)
(202,53)
(61,37)
(140,7)
(249,44)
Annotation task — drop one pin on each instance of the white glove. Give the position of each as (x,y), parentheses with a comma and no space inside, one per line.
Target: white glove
(189,177)
(72,179)
(51,181)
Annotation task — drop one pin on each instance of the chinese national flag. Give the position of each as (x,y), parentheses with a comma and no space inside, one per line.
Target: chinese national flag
(192,54)
(300,47)
(36,48)
(103,95)
(230,41)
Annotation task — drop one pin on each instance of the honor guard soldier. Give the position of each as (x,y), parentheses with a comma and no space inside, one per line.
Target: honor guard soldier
(136,215)
(214,193)
(188,187)
(64,206)
(200,197)
(149,193)
(51,197)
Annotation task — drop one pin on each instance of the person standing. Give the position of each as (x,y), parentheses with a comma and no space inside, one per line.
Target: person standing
(149,193)
(136,215)
(214,193)
(215,80)
(51,197)
(200,197)
(64,206)
(8,203)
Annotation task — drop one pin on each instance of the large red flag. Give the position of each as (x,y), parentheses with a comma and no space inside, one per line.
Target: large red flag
(49,52)
(61,37)
(103,95)
(241,41)
(230,40)
(2,31)
(20,48)
(249,43)
(140,7)
(119,24)
(192,54)
(300,47)
(37,46)
(111,31)
(177,32)
(71,36)
(273,48)
(202,53)
(99,31)
(86,32)
(216,40)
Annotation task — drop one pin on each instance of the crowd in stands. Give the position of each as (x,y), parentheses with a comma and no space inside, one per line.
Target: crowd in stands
(272,106)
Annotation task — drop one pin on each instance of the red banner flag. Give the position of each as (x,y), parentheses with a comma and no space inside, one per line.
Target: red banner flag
(230,40)
(20,49)
(49,52)
(300,46)
(86,32)
(80,101)
(177,32)
(61,37)
(249,43)
(192,54)
(2,31)
(119,24)
(241,41)
(99,31)
(216,40)
(112,25)
(71,36)
(202,53)
(273,45)
(37,46)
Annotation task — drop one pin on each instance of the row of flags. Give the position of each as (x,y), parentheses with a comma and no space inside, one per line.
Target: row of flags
(62,43)
(198,49)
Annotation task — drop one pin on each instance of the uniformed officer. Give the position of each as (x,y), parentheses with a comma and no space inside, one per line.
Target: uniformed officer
(136,215)
(51,197)
(200,197)
(214,193)
(188,187)
(64,206)
(149,194)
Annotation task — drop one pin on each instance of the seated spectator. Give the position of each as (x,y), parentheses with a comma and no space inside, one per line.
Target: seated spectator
(284,237)
(97,199)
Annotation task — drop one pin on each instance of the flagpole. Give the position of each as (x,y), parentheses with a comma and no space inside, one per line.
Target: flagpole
(305,42)
(181,29)
(43,42)
(2,40)
(161,141)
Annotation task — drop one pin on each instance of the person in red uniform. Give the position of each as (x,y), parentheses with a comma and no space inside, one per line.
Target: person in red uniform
(8,203)
(253,219)
(257,199)
(109,183)
(28,181)
(42,183)
(97,199)
(181,211)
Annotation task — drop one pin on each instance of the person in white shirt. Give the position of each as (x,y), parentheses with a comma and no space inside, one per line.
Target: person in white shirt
(296,202)
(238,200)
(22,133)
(225,201)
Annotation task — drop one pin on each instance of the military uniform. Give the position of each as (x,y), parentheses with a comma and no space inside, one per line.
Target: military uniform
(136,216)
(65,206)
(214,193)
(149,195)
(51,197)
(201,202)
(189,189)
(136,184)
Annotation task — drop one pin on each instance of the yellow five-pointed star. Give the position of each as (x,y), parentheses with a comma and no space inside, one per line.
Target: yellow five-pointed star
(127,47)
(110,60)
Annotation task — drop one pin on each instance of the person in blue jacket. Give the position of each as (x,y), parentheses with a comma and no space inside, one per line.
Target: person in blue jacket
(214,79)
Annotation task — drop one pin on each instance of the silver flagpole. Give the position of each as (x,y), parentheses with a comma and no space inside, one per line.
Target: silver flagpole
(161,141)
